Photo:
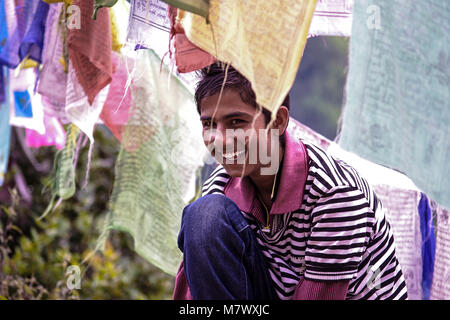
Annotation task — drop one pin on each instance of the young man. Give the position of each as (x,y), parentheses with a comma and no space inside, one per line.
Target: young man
(301,226)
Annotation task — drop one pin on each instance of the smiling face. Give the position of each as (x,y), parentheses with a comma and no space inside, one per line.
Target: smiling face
(232,133)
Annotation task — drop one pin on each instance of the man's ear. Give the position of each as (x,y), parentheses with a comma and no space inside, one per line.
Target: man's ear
(281,120)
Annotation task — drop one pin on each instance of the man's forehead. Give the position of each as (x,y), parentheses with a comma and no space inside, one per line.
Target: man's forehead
(229,101)
(224,110)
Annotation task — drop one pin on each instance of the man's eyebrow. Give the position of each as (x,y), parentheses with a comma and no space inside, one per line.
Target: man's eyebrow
(205,118)
(237,114)
(228,116)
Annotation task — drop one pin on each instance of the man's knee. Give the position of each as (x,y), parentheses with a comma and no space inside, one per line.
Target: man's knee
(203,220)
(209,207)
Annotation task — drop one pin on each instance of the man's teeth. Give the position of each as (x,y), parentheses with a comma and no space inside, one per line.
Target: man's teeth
(233,155)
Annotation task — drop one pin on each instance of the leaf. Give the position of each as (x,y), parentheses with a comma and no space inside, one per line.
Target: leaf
(13,227)
(200,7)
(100,4)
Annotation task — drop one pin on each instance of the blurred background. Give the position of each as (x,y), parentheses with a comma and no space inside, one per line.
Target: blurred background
(34,254)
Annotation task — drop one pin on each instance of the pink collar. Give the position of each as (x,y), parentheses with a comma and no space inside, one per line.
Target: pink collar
(289,196)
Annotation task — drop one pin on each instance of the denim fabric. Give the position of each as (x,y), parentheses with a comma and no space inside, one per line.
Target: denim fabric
(222,259)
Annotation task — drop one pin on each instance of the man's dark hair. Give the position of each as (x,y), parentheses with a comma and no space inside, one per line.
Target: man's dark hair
(211,81)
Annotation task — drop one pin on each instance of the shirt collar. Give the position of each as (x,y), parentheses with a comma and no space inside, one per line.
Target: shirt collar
(289,194)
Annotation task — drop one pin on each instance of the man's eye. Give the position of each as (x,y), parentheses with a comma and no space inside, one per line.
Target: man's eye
(206,124)
(236,121)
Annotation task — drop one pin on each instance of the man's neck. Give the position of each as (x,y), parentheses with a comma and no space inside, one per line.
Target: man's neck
(264,184)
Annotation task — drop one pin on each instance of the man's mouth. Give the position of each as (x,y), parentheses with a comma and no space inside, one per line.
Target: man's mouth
(233,155)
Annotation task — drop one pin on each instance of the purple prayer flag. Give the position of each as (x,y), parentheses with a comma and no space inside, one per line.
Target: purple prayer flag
(19,15)
(2,86)
(34,39)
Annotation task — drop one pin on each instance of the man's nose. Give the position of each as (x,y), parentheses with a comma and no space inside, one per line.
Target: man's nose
(219,138)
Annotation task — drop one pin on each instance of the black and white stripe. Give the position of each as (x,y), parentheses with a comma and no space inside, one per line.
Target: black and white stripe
(340,232)
(216,182)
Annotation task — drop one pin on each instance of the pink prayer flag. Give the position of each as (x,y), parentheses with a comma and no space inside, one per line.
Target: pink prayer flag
(188,57)
(115,113)
(90,49)
(54,134)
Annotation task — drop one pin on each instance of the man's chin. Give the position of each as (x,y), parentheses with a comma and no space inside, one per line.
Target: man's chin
(236,170)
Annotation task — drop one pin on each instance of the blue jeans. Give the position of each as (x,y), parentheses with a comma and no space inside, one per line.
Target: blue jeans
(222,259)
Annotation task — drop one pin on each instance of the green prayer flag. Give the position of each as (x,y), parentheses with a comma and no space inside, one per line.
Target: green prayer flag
(63,174)
(155,171)
(397,110)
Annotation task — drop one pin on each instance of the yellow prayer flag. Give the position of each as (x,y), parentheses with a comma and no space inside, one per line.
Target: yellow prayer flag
(116,45)
(30,63)
(55,1)
(118,15)
(264,40)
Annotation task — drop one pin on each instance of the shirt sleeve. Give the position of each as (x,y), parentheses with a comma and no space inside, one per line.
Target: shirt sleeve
(321,290)
(341,226)
(181,290)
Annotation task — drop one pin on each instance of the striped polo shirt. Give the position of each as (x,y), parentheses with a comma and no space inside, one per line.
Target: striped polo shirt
(326,223)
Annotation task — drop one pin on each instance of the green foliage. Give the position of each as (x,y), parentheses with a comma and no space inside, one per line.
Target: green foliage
(12,285)
(318,90)
(35,254)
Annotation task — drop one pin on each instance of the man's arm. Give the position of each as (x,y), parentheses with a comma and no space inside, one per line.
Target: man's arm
(342,224)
